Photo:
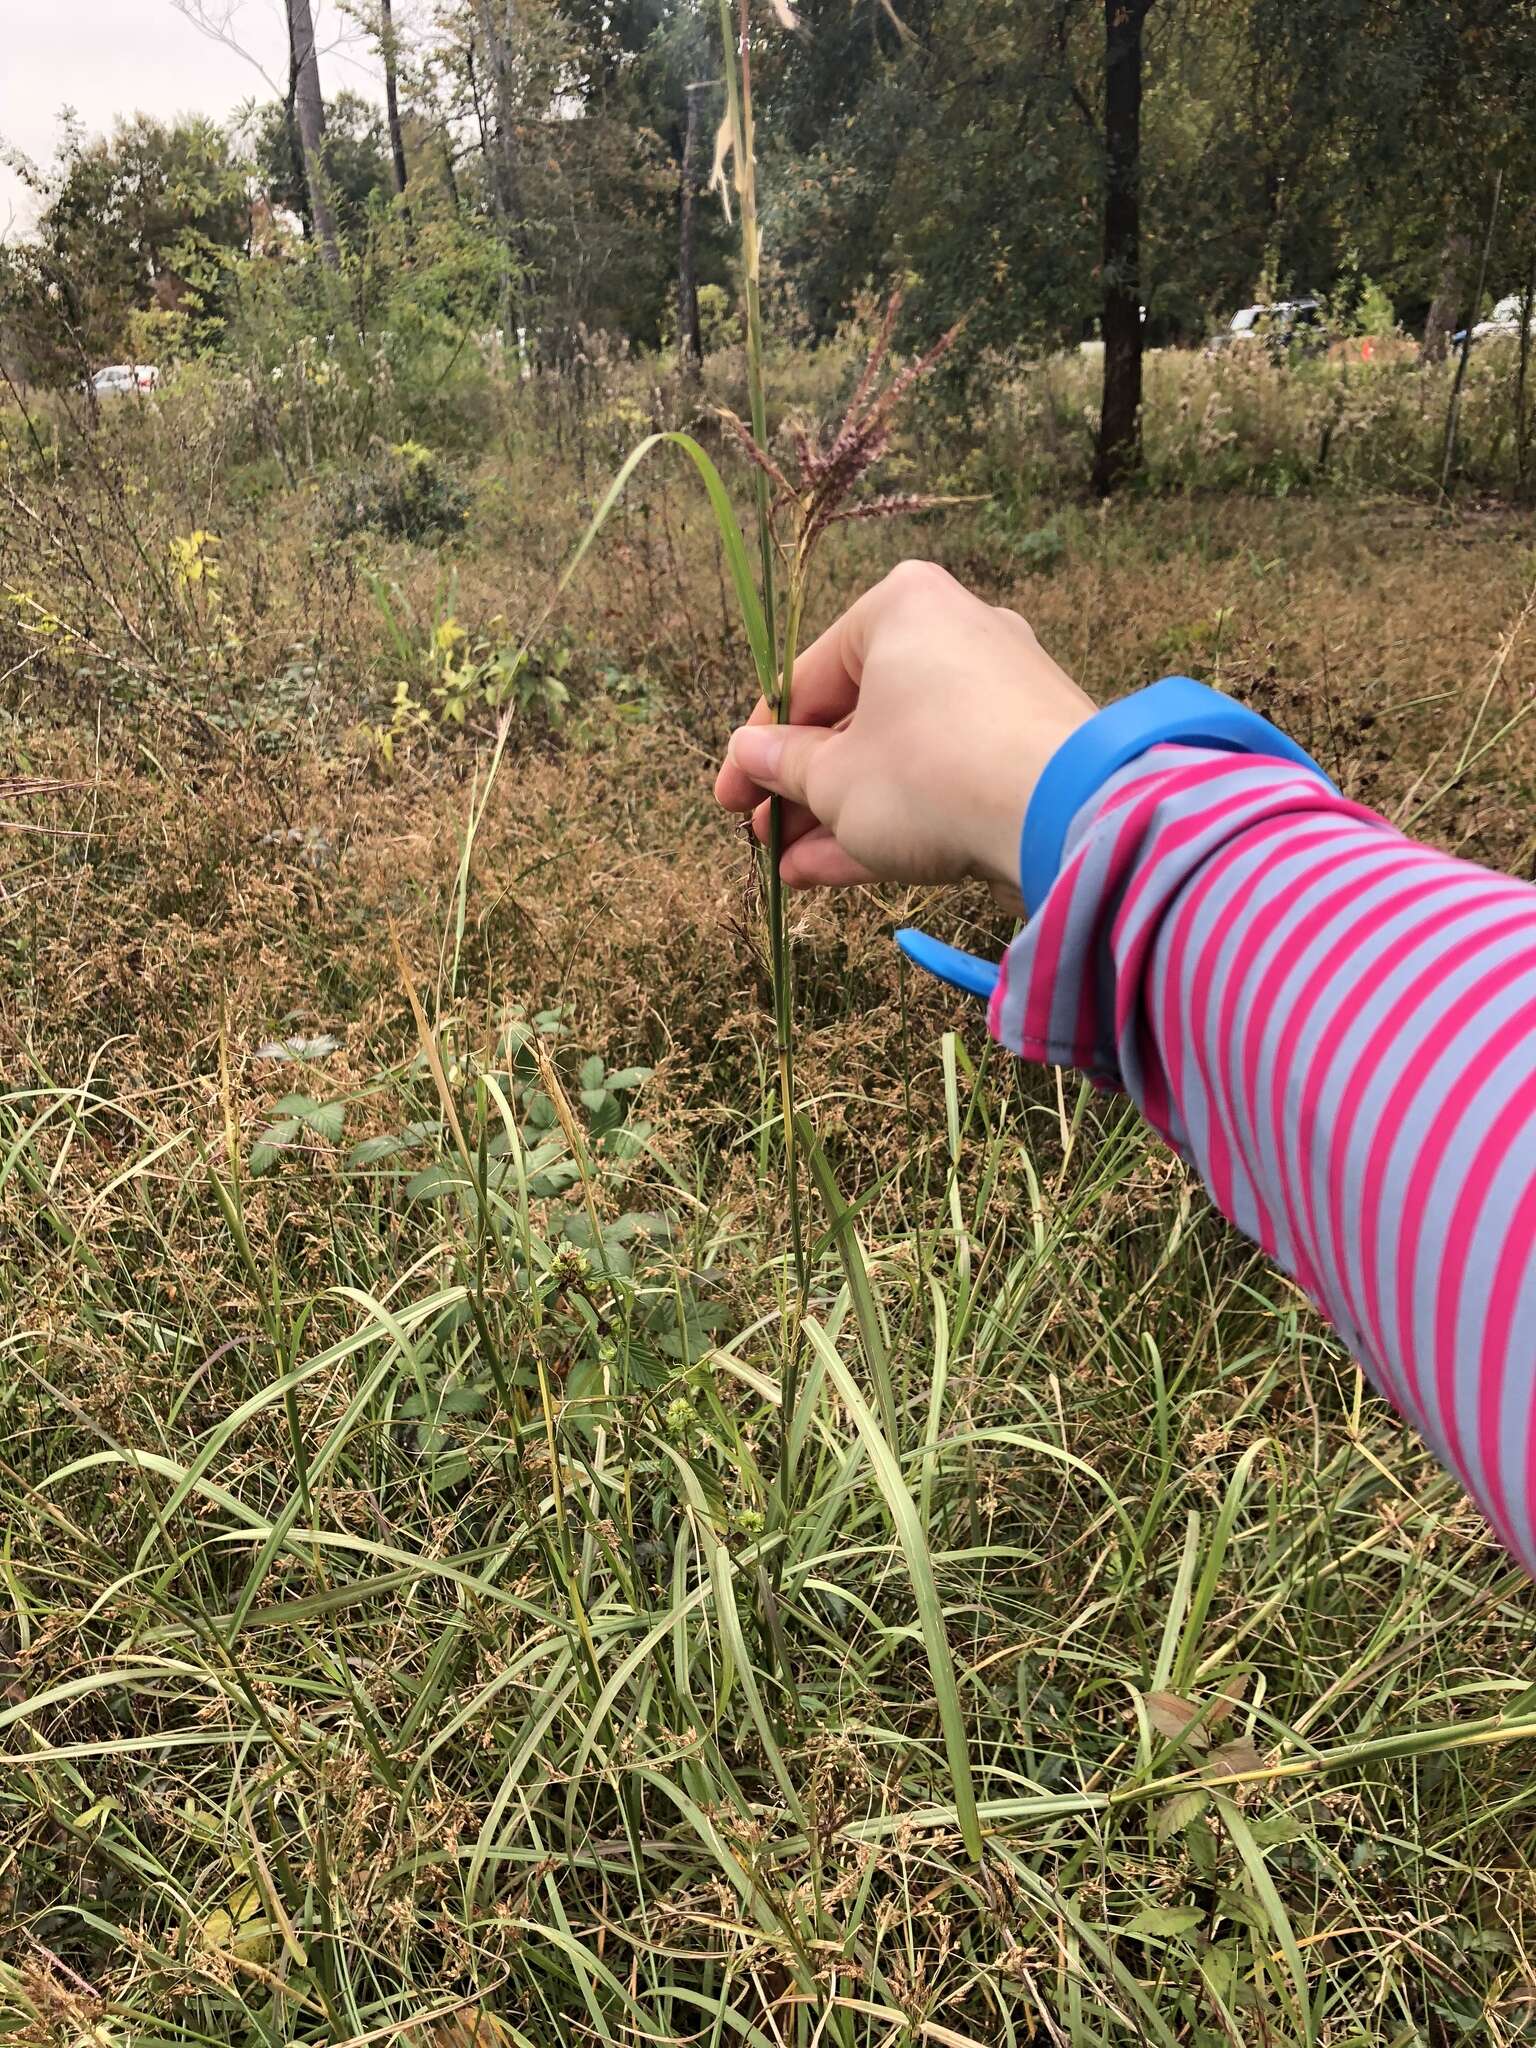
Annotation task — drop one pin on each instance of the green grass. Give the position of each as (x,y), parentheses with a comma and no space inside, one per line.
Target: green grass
(397,1622)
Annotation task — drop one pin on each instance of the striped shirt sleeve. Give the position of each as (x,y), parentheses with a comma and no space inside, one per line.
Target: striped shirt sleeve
(1337,1027)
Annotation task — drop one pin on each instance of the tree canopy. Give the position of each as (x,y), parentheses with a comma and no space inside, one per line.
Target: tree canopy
(968,148)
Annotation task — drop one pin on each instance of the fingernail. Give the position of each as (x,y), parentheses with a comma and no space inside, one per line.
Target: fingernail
(757,751)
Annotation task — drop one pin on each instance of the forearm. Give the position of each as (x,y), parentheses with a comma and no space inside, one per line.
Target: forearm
(1338,1028)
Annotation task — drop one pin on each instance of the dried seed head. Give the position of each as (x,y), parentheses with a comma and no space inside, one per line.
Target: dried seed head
(829,474)
(760,456)
(898,506)
(877,356)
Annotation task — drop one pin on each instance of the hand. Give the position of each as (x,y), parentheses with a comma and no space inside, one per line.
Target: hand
(919,725)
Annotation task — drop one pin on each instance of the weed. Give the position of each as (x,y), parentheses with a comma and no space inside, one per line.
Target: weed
(404,492)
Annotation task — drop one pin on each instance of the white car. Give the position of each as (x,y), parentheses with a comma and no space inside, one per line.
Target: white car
(1504,319)
(1287,324)
(120,380)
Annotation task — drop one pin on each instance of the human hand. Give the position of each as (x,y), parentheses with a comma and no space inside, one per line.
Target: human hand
(919,724)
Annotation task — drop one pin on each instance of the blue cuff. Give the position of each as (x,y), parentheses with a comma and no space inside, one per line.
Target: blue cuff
(1177,710)
(964,971)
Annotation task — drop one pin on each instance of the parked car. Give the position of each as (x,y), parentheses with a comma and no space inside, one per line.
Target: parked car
(122,380)
(1278,328)
(1504,320)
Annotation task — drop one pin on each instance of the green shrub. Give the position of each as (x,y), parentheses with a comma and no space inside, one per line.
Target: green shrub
(404,492)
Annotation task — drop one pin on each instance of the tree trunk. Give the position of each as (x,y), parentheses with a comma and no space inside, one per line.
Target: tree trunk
(690,342)
(1453,410)
(450,175)
(310,110)
(1119,450)
(1444,308)
(294,147)
(388,50)
(502,148)
(1522,381)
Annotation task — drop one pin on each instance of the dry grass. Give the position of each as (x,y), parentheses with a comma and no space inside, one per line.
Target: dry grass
(334,1706)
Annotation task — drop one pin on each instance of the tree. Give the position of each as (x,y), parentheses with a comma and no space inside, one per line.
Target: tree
(309,106)
(497,22)
(355,159)
(1414,105)
(1118,453)
(390,54)
(690,344)
(581,110)
(144,220)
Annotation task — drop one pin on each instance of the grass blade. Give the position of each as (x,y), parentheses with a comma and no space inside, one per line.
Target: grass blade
(914,1548)
(851,1252)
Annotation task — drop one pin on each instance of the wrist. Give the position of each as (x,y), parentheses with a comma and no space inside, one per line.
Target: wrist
(999,800)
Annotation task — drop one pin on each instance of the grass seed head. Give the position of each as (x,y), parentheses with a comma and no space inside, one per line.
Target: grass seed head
(830,467)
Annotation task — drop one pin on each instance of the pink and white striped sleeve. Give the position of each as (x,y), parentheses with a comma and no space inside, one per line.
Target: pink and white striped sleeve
(1337,1027)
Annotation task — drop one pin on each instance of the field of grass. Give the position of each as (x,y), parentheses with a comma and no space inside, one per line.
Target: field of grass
(419,1619)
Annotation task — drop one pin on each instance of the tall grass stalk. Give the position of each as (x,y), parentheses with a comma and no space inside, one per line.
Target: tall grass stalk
(736,48)
(736,44)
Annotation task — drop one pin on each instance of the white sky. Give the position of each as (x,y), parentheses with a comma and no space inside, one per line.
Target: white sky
(111,57)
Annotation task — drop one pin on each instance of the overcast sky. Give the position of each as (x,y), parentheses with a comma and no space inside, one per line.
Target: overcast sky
(110,57)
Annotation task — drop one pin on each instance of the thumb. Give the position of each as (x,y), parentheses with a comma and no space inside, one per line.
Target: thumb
(780,758)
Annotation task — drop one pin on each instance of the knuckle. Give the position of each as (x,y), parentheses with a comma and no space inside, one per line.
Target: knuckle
(917,577)
(1017,620)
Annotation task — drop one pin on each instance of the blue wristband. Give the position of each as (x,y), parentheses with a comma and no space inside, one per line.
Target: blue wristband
(1177,710)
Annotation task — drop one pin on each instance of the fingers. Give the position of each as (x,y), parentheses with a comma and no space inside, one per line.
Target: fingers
(816,861)
(824,692)
(779,759)
(814,708)
(797,822)
(733,792)
(810,857)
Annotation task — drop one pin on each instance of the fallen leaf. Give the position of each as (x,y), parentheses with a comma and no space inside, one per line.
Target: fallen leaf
(467,2028)
(1173,1717)
(1233,1759)
(239,1927)
(1230,1698)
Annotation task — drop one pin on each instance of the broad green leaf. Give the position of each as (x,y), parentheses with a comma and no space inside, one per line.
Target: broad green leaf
(328,1121)
(298,1048)
(1165,1920)
(325,1119)
(269,1147)
(1175,1814)
(369,1151)
(1237,1907)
